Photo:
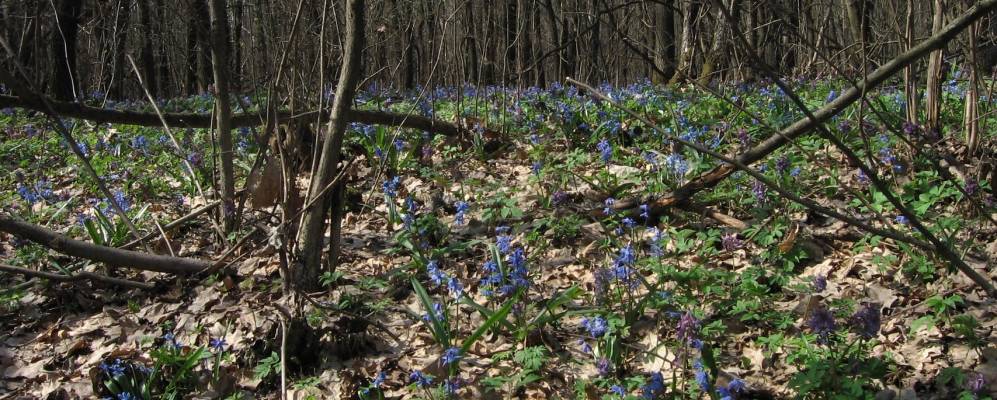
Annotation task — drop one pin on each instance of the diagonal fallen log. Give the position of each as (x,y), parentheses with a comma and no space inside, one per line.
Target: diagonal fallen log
(109,255)
(806,125)
(195,120)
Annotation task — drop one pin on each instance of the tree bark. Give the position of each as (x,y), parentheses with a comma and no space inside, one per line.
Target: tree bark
(64,43)
(664,42)
(310,237)
(109,255)
(933,86)
(223,107)
(147,57)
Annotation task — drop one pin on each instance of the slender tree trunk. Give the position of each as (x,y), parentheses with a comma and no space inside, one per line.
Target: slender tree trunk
(310,237)
(664,42)
(690,9)
(910,76)
(120,40)
(64,43)
(971,124)
(223,107)
(146,58)
(933,87)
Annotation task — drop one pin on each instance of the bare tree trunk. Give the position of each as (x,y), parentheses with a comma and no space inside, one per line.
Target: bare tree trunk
(64,42)
(933,87)
(147,59)
(310,237)
(910,76)
(223,107)
(664,42)
(971,124)
(120,39)
(689,12)
(709,59)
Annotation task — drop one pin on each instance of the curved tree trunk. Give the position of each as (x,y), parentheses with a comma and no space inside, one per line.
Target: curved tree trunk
(310,237)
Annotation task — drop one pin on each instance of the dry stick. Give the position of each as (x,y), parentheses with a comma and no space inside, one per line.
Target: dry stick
(75,277)
(173,139)
(936,244)
(14,84)
(170,226)
(760,177)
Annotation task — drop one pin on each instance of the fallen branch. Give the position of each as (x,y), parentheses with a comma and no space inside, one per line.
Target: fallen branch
(195,120)
(75,277)
(109,255)
(805,125)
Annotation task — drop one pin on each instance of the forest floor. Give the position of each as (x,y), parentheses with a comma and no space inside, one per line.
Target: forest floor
(543,285)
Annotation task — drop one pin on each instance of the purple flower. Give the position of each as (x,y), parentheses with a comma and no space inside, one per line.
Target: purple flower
(628,222)
(977,384)
(687,327)
(645,212)
(822,323)
(971,186)
(867,320)
(596,327)
(535,168)
(586,347)
(558,198)
(902,220)
(603,366)
(782,164)
(743,137)
(731,242)
(820,283)
(760,191)
(450,356)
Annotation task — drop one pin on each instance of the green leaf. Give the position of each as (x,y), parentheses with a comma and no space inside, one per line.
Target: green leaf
(489,323)
(441,335)
(926,321)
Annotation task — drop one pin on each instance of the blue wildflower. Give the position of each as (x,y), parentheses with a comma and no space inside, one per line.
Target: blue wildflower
(645,212)
(655,386)
(126,396)
(702,377)
(217,343)
(605,150)
(390,187)
(420,379)
(628,222)
(609,206)
(114,370)
(455,287)
(535,168)
(434,272)
(451,386)
(462,208)
(902,219)
(450,356)
(820,283)
(618,390)
(596,326)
